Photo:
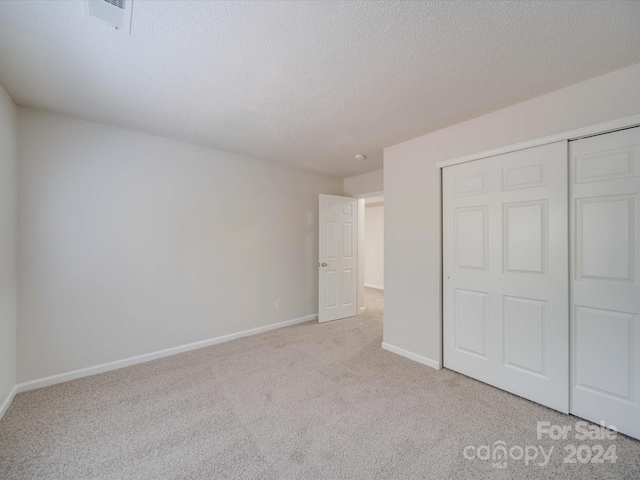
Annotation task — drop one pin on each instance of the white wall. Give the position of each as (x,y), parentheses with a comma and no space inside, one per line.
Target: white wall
(8,245)
(131,243)
(374,247)
(412,193)
(365,183)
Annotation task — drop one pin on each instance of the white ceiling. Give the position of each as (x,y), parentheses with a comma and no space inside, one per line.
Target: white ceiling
(306,83)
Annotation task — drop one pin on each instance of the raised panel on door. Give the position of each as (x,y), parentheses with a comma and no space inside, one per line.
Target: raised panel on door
(605,334)
(605,238)
(605,371)
(331,245)
(505,266)
(475,183)
(347,240)
(471,242)
(525,237)
(347,290)
(471,316)
(525,175)
(331,296)
(525,329)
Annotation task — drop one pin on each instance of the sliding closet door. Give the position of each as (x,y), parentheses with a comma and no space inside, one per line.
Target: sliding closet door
(505,239)
(605,270)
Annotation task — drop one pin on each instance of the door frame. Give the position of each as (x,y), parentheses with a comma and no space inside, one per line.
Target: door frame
(361,198)
(576,134)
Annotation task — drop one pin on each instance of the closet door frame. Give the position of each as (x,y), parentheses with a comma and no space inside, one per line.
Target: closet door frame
(570,135)
(578,133)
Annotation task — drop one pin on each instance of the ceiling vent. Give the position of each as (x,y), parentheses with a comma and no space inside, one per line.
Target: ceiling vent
(116,13)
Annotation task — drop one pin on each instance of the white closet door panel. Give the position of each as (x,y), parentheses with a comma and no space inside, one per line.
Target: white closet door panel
(506,272)
(605,262)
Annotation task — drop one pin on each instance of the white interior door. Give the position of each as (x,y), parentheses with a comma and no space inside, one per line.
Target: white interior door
(605,265)
(505,266)
(338,262)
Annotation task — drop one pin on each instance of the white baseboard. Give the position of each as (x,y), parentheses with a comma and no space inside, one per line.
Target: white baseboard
(106,367)
(412,356)
(377,287)
(7,401)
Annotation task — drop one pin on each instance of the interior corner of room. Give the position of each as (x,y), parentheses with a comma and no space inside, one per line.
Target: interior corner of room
(8,248)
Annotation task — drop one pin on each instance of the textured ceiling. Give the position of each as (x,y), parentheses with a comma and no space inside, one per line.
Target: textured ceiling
(306,83)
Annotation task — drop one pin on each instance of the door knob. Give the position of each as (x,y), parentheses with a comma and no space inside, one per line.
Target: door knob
(322,264)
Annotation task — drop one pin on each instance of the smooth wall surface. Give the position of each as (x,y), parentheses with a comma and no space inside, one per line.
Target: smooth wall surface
(374,247)
(131,243)
(8,245)
(412,193)
(365,183)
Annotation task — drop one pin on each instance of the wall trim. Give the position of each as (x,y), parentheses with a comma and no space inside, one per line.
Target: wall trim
(378,193)
(600,128)
(7,401)
(147,357)
(377,287)
(411,356)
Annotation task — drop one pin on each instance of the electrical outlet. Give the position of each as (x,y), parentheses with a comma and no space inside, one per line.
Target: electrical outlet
(278,303)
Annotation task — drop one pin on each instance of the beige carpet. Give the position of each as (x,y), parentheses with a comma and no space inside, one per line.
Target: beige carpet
(318,401)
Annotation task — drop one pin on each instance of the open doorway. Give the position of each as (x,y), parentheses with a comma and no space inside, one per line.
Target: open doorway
(374,243)
(371,247)
(351,255)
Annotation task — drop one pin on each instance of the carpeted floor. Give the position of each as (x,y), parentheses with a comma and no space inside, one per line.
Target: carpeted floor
(317,401)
